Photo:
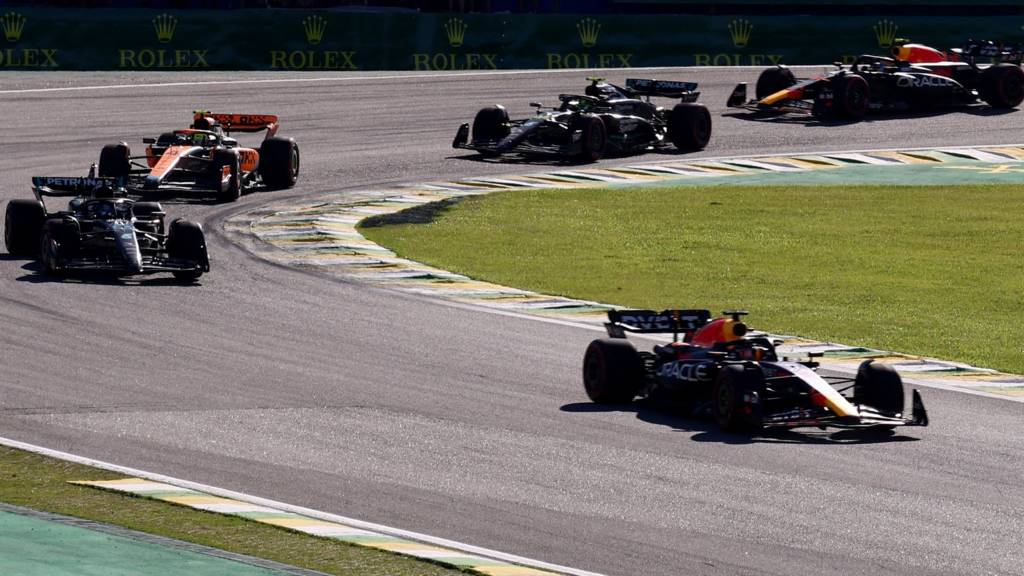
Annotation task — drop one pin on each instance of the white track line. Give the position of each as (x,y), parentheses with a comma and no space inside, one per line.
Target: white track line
(419,76)
(397,532)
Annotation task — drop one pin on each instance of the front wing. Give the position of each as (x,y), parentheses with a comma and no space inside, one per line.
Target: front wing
(866,417)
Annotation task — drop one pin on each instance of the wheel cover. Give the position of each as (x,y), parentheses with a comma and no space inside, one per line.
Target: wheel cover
(595,138)
(1012,87)
(592,369)
(295,162)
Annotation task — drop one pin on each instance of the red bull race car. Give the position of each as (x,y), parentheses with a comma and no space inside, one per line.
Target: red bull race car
(718,366)
(913,78)
(204,159)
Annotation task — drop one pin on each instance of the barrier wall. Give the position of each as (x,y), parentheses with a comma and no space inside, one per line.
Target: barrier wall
(105,39)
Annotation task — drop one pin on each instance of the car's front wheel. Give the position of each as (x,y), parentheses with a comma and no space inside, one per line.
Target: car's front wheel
(736,398)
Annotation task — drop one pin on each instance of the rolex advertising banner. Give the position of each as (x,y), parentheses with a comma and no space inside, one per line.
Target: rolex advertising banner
(136,39)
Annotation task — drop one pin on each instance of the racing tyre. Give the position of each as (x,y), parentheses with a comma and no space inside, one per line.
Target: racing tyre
(1002,85)
(689,126)
(233,189)
(737,395)
(279,162)
(59,241)
(23,227)
(772,80)
(593,139)
(612,371)
(186,241)
(149,216)
(114,160)
(878,386)
(852,94)
(490,123)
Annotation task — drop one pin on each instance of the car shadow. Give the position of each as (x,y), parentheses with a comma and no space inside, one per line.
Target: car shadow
(533,160)
(36,275)
(704,430)
(807,120)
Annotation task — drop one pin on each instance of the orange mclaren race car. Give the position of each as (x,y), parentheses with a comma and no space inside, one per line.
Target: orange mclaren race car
(205,159)
(913,78)
(718,367)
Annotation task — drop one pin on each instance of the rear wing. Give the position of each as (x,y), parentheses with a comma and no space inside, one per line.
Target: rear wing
(73,185)
(662,88)
(989,50)
(247,122)
(650,322)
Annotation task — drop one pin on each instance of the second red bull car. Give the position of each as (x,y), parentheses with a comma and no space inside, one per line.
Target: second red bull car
(205,160)
(914,78)
(718,367)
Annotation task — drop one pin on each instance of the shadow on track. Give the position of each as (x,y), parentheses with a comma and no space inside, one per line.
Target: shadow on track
(36,275)
(813,121)
(705,431)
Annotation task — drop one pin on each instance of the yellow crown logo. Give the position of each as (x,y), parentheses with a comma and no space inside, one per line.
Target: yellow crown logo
(456,31)
(885,32)
(740,30)
(315,26)
(588,29)
(165,25)
(13,23)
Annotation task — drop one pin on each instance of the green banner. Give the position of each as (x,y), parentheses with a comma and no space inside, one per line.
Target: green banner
(106,39)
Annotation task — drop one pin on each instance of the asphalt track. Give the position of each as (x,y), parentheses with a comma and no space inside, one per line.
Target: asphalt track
(449,420)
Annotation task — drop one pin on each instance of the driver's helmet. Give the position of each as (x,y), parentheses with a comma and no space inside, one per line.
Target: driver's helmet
(102,191)
(600,90)
(199,138)
(202,122)
(101,210)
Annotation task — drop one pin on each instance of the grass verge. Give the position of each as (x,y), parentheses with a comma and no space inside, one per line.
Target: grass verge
(40,482)
(935,271)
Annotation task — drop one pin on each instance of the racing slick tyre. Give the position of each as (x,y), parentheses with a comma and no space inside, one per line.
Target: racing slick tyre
(851,97)
(593,137)
(1002,85)
(233,189)
(114,160)
(149,217)
(689,126)
(59,241)
(490,123)
(279,162)
(23,227)
(186,241)
(613,371)
(878,386)
(734,405)
(772,80)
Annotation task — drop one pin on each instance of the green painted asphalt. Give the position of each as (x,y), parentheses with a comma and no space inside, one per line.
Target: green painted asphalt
(951,173)
(32,546)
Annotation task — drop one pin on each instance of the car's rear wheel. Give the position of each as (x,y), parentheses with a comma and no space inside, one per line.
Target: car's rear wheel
(232,190)
(613,371)
(186,241)
(1002,85)
(689,126)
(878,386)
(851,97)
(115,160)
(23,227)
(772,80)
(279,162)
(736,398)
